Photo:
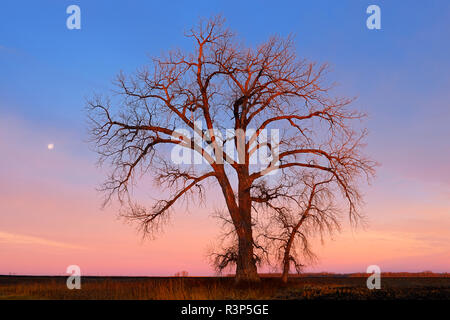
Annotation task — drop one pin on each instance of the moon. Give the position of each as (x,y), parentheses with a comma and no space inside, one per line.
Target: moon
(50,146)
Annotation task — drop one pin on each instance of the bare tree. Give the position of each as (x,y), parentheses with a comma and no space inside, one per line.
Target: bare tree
(224,84)
(296,216)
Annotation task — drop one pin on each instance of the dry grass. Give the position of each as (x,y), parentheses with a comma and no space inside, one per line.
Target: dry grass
(202,288)
(134,288)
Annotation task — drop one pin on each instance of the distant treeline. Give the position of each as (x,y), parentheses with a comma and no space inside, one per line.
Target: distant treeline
(423,274)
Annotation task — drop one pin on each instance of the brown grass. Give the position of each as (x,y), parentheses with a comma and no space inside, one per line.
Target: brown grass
(204,288)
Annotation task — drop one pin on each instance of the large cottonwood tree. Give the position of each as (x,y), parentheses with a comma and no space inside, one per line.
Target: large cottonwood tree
(218,85)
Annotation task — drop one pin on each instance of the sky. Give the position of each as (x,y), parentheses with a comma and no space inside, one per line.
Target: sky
(50,211)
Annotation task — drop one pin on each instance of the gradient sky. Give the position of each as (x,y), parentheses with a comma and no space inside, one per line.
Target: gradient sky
(50,214)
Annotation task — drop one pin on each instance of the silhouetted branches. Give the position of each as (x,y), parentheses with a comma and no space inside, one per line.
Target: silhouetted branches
(223,84)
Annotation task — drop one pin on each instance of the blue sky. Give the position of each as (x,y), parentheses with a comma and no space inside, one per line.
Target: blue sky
(400,75)
(45,63)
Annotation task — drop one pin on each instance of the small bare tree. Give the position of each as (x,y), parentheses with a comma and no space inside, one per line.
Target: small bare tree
(223,84)
(295,217)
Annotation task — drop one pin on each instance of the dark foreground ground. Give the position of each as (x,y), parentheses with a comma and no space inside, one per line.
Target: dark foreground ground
(343,287)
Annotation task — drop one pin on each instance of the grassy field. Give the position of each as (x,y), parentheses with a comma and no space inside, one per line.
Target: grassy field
(341,287)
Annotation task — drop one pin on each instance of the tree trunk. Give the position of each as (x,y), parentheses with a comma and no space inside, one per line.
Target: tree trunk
(246,264)
(241,216)
(286,260)
(285,274)
(288,247)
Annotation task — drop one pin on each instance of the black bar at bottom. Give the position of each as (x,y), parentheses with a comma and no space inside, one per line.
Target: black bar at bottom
(218,309)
